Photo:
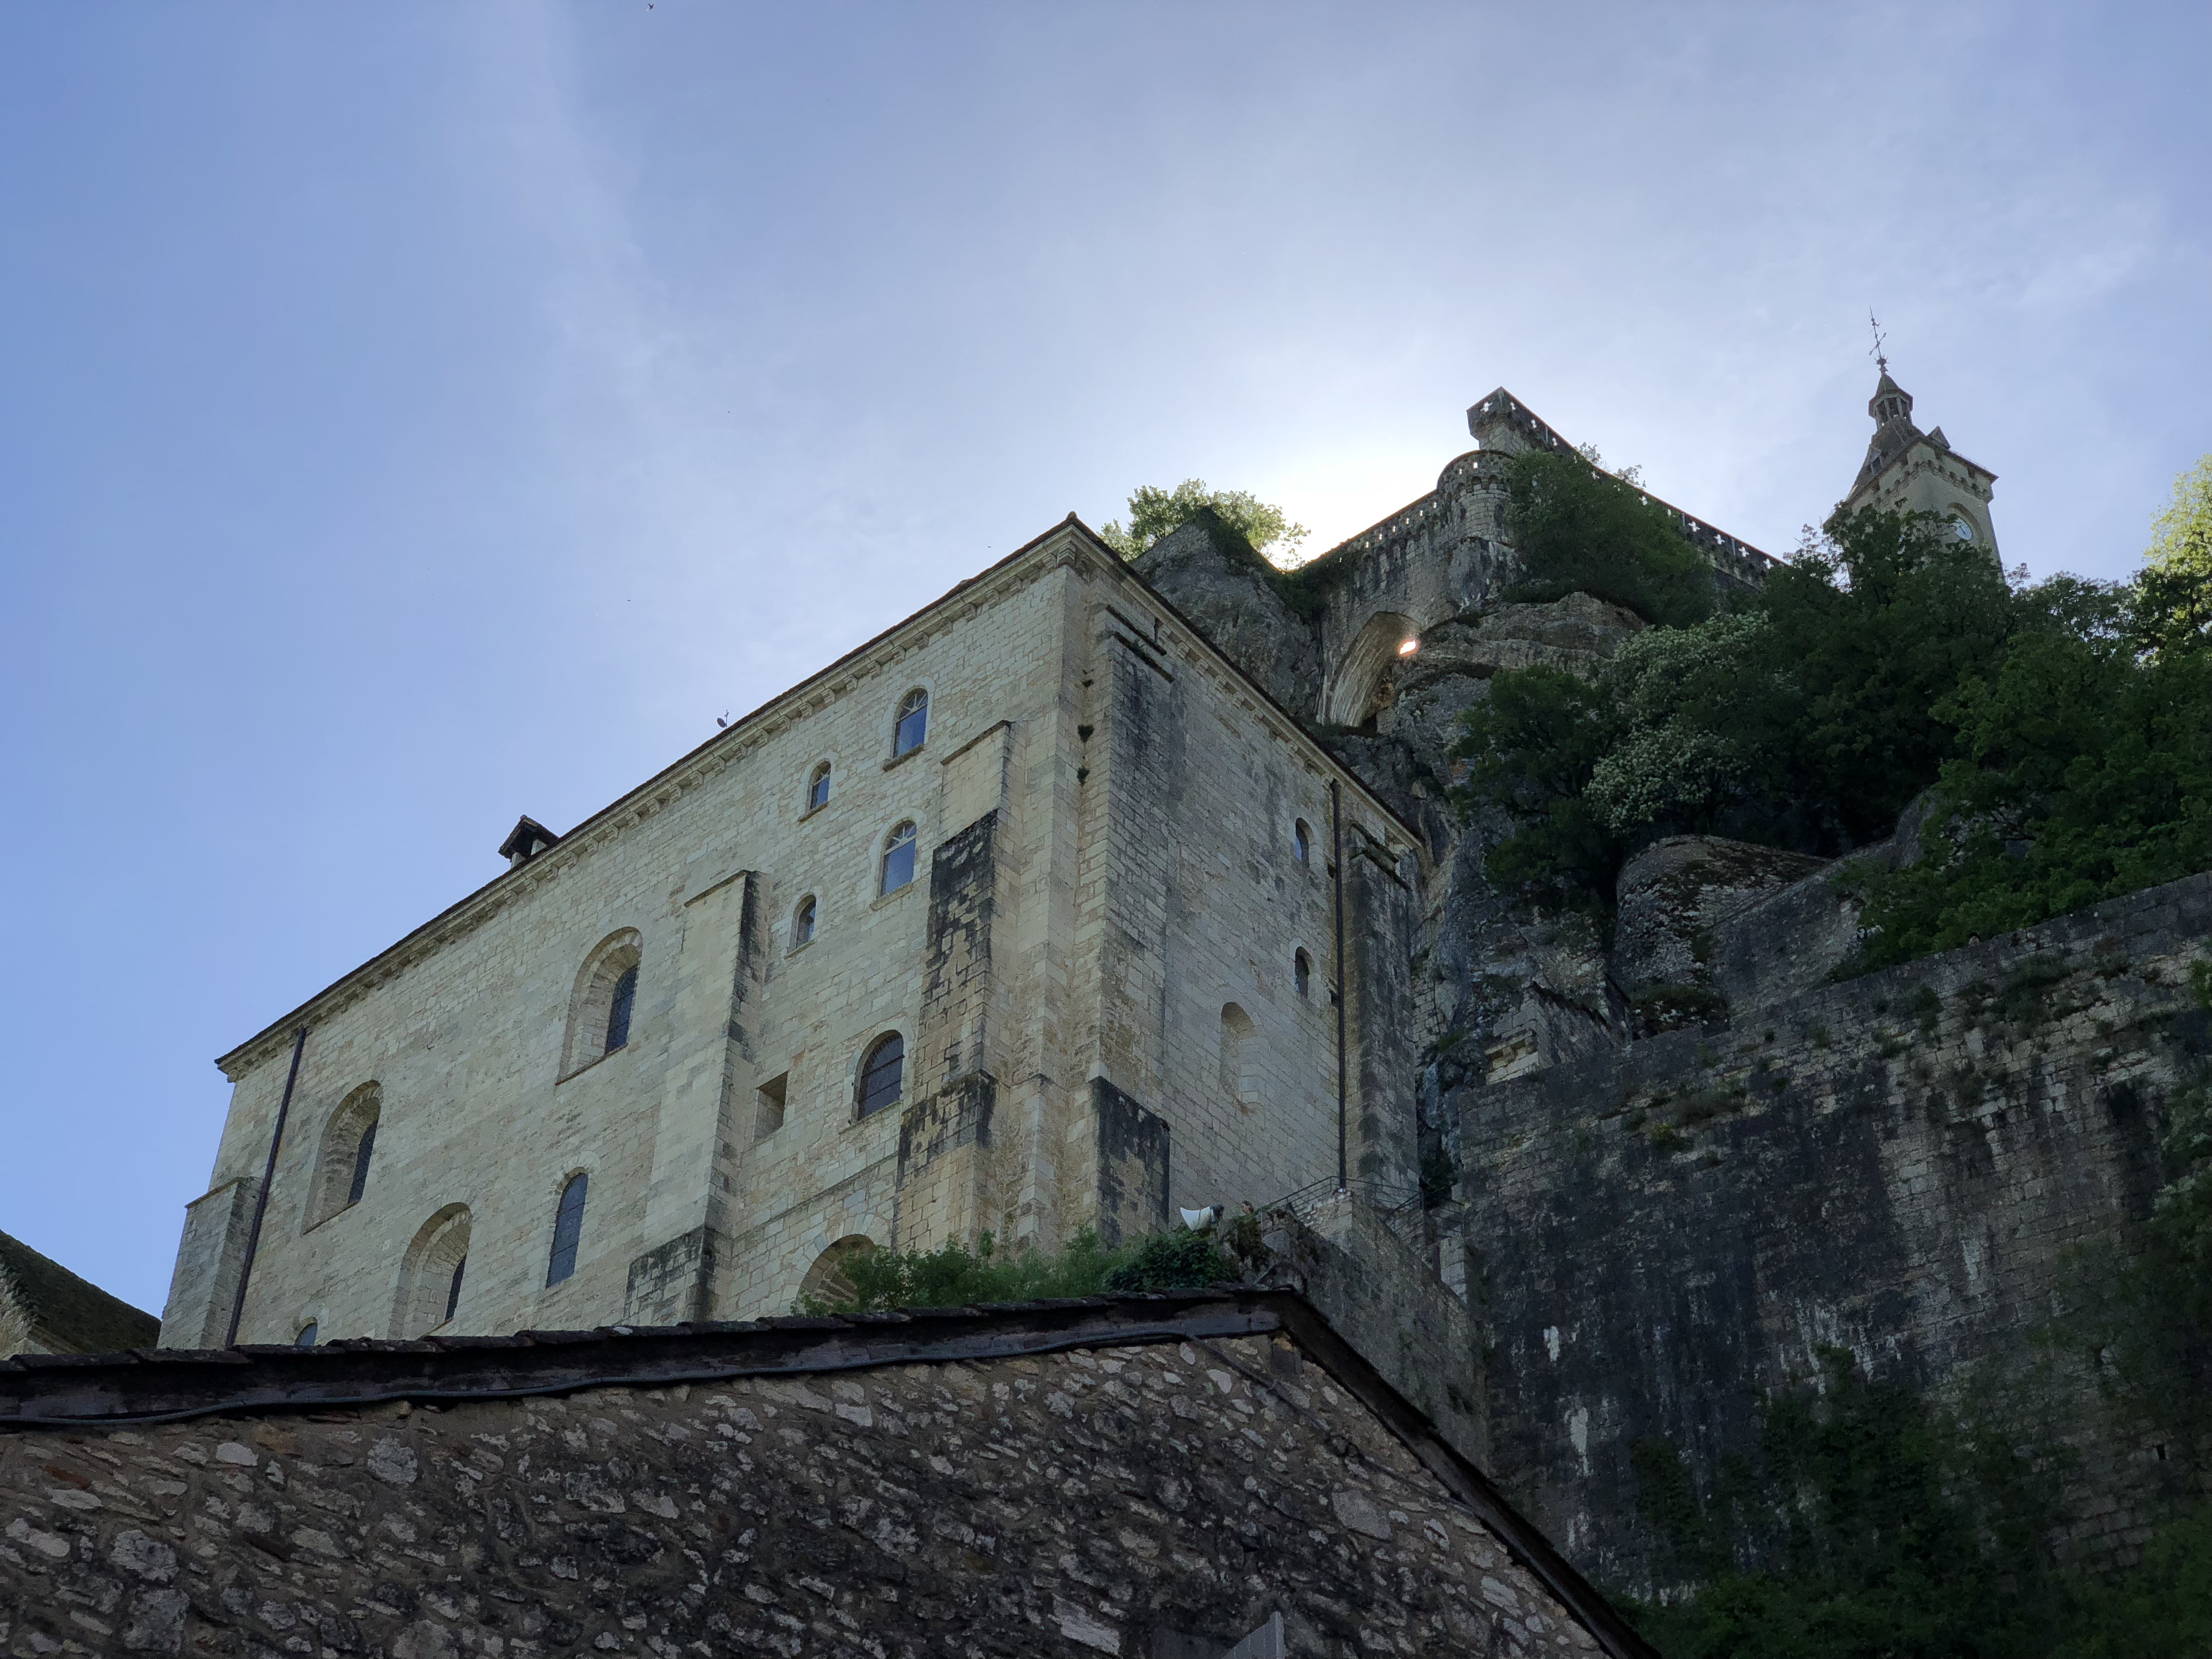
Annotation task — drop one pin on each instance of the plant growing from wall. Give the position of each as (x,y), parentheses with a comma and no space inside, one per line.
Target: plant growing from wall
(1580,529)
(1155,513)
(954,1276)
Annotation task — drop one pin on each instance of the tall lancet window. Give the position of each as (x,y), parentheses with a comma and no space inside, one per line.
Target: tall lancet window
(618,1009)
(568,1229)
(362,1154)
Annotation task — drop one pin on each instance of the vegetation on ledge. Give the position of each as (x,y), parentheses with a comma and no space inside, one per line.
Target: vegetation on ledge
(954,1276)
(1155,513)
(2065,727)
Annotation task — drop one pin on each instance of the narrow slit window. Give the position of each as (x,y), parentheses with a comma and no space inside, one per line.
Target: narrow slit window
(912,726)
(882,1073)
(306,1336)
(768,1118)
(1301,973)
(362,1154)
(818,787)
(568,1231)
(1301,841)
(898,859)
(802,923)
(618,1010)
(453,1289)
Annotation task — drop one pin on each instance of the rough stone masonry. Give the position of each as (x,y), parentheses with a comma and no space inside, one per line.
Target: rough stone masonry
(1157,1476)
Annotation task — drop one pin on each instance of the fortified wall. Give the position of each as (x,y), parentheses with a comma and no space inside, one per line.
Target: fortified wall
(1898,1165)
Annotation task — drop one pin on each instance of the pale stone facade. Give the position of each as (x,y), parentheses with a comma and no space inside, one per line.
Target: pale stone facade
(1095,974)
(1909,471)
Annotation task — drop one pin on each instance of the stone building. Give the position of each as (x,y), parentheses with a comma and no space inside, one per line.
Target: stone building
(1909,471)
(1200,1475)
(47,1309)
(1024,917)
(1607,1189)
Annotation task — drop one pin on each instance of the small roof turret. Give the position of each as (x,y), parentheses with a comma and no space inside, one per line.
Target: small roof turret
(525,841)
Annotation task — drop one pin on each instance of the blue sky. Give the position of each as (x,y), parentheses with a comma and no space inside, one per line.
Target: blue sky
(412,416)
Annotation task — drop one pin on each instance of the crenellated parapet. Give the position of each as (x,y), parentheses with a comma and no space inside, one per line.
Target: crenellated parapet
(1448,555)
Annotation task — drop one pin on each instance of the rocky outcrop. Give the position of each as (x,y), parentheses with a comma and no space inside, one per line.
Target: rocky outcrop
(1211,575)
(1672,900)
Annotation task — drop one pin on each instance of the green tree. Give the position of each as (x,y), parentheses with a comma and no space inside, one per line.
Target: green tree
(1531,746)
(2086,772)
(1154,513)
(2174,606)
(1579,529)
(1808,720)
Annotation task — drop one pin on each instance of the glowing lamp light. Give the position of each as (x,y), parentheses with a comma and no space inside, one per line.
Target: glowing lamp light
(1409,647)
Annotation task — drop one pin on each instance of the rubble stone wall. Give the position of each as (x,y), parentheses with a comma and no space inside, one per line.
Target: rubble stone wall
(1132,1500)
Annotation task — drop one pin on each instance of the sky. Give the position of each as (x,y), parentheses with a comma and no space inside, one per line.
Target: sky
(413,416)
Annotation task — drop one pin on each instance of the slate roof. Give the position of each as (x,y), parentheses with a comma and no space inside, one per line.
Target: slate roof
(72,1314)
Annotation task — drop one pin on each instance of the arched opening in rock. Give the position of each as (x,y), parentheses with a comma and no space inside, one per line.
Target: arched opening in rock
(1361,682)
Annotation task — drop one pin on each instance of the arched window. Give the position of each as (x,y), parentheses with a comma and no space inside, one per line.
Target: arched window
(568,1229)
(802,922)
(618,1009)
(826,1284)
(882,1073)
(430,1273)
(306,1336)
(1301,840)
(343,1158)
(898,859)
(913,723)
(818,787)
(602,1006)
(1301,973)
(1240,1056)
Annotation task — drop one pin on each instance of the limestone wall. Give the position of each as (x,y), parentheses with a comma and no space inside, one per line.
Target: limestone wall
(1896,1166)
(1105,862)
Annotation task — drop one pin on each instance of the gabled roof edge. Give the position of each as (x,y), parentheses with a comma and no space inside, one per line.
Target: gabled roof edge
(84,1394)
(578,835)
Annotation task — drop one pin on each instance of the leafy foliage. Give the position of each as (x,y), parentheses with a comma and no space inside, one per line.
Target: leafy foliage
(2068,726)
(1154,513)
(2175,608)
(2086,772)
(1803,721)
(954,1276)
(1578,528)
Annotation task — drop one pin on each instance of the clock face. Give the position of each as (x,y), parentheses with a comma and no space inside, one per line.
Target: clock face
(1962,529)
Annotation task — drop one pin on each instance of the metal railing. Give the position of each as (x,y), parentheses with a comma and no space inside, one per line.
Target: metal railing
(1399,1207)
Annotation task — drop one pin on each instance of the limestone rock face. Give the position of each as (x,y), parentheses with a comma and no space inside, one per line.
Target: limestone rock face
(1673,899)
(1207,572)
(1575,633)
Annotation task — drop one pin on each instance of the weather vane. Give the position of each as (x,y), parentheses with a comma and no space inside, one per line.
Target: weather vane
(1880,342)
